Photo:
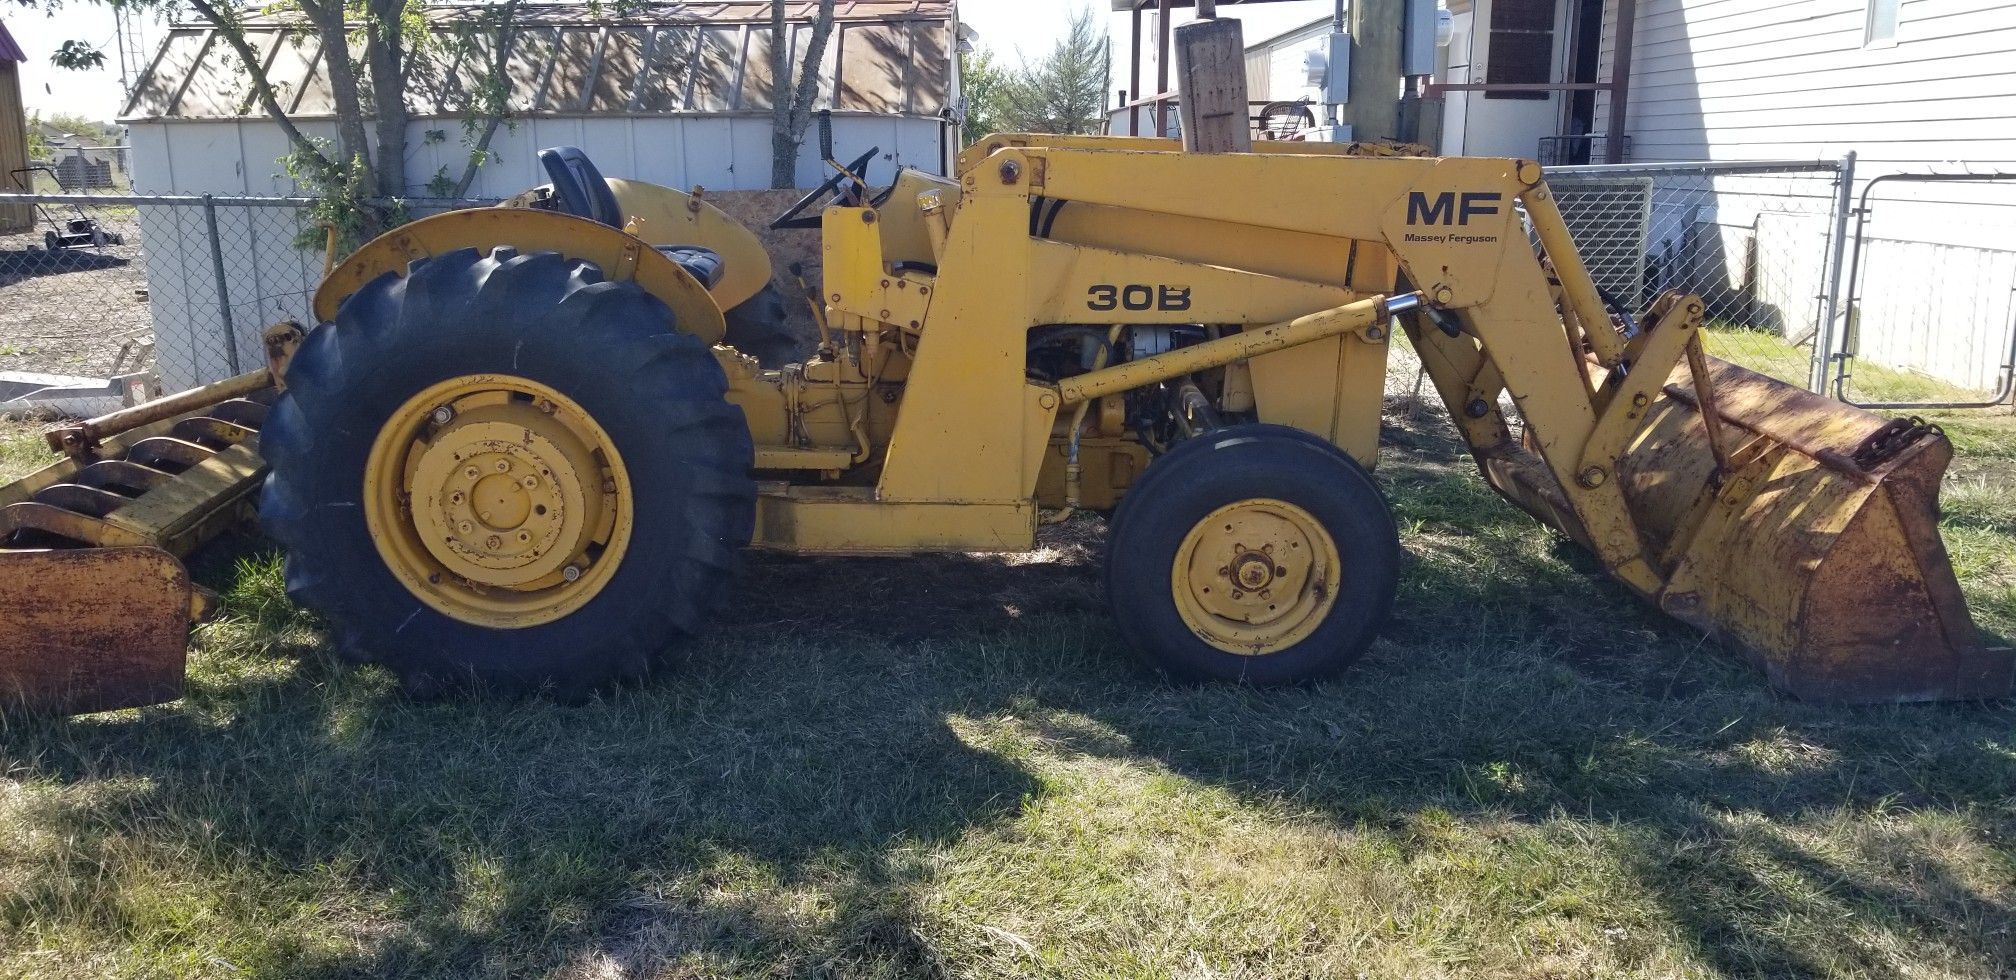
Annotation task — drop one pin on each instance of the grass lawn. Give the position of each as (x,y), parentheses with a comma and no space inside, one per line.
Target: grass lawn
(948,766)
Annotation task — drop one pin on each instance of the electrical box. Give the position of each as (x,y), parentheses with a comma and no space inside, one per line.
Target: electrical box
(1315,69)
(1337,84)
(1417,49)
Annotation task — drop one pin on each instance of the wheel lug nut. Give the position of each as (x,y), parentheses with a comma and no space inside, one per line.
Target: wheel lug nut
(503,466)
(471,472)
(465,527)
(494,542)
(444,415)
(571,573)
(530,482)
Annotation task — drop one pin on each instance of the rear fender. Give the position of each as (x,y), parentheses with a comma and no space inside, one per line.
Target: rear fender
(621,257)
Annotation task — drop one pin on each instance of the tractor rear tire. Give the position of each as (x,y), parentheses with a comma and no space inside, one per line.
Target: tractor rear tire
(534,322)
(1256,554)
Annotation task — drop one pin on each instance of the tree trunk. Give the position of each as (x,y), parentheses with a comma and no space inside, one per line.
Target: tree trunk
(352,149)
(385,52)
(791,108)
(783,147)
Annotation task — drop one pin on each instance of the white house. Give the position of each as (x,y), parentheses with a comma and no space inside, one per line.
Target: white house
(1909,86)
(677,93)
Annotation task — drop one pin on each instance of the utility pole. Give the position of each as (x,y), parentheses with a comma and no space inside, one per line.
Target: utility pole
(1377,28)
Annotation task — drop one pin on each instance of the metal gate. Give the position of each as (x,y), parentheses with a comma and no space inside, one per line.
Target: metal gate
(1931,294)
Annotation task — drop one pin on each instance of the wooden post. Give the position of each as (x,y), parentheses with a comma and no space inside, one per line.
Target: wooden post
(1134,76)
(1211,68)
(1620,80)
(1161,69)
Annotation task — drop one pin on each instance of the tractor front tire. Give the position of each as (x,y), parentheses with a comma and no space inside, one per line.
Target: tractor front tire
(501,472)
(1256,554)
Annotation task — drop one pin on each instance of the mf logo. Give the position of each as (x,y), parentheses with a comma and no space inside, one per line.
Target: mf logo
(1449,207)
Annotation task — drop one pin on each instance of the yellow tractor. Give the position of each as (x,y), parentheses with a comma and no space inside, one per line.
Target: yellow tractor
(516,452)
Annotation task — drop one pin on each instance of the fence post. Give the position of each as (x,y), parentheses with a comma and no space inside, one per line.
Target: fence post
(1824,341)
(223,290)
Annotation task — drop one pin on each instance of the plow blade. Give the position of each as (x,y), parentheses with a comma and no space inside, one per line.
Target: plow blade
(93,629)
(98,604)
(1816,546)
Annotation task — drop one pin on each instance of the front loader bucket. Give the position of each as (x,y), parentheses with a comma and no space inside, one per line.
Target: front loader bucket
(98,605)
(1818,548)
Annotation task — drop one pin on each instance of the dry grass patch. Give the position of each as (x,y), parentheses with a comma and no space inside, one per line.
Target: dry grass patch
(948,766)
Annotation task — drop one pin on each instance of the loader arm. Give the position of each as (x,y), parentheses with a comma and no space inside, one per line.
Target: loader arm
(1453,226)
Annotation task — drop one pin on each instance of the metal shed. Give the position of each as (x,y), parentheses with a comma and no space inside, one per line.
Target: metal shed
(675,93)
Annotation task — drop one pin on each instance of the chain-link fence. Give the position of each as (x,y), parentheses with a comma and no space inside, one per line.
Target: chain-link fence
(1759,243)
(103,284)
(1907,292)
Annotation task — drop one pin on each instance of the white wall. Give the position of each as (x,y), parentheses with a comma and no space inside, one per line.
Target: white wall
(721,151)
(1772,79)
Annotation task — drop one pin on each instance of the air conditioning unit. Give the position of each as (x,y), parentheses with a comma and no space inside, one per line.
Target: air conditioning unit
(1611,219)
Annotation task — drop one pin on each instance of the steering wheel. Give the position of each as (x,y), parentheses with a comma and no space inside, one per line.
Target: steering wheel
(854,175)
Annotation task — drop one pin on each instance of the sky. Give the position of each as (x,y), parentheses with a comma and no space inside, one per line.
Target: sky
(1017,29)
(1013,28)
(47,89)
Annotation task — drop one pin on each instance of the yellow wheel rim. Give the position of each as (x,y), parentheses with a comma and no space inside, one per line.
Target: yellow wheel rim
(497,501)
(1255,577)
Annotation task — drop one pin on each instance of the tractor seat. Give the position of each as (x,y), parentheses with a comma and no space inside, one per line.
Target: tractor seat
(579,190)
(703,264)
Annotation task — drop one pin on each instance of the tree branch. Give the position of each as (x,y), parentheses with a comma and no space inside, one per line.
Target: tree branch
(500,104)
(263,87)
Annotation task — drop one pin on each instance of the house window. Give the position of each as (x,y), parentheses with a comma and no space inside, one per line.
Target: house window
(1880,30)
(1522,46)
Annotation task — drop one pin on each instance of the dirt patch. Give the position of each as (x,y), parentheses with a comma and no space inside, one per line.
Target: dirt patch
(71,310)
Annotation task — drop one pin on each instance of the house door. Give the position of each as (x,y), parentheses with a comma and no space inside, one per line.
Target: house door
(1512,42)
(1585,41)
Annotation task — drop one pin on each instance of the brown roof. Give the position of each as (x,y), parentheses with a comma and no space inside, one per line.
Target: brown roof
(9,50)
(886,56)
